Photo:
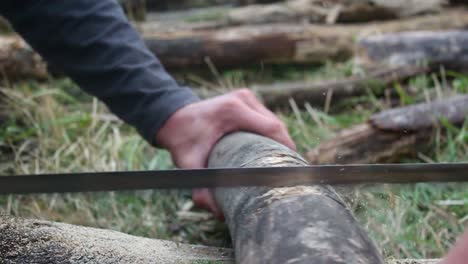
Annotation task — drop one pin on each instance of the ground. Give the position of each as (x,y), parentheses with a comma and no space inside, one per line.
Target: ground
(54,127)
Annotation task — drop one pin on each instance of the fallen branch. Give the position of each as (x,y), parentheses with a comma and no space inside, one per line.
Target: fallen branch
(448,48)
(389,134)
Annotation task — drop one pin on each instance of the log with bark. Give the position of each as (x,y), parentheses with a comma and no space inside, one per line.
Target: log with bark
(449,48)
(315,93)
(330,11)
(278,95)
(37,241)
(302,224)
(281,43)
(390,134)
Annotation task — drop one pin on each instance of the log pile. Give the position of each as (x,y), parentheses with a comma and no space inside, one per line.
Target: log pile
(282,43)
(237,46)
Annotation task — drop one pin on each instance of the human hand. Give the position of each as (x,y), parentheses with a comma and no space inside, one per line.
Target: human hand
(192,131)
(459,253)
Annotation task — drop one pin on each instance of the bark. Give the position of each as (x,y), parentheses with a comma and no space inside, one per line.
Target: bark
(36,241)
(390,134)
(448,48)
(281,43)
(330,11)
(302,224)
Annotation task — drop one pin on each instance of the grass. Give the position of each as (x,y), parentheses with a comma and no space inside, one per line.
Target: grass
(54,127)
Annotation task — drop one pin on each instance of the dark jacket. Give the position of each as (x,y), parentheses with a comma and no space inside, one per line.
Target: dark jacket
(94,44)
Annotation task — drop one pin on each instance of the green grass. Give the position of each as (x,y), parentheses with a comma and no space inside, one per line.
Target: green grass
(54,127)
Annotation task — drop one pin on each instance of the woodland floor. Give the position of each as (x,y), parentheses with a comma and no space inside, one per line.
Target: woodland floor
(54,127)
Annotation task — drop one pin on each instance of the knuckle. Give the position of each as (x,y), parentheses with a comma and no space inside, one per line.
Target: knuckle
(244,93)
(276,127)
(233,103)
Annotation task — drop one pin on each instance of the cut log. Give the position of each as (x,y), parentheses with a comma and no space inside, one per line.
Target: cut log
(390,134)
(449,48)
(330,11)
(281,43)
(303,224)
(36,241)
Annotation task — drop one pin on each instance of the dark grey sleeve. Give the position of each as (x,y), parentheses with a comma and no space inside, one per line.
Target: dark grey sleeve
(95,45)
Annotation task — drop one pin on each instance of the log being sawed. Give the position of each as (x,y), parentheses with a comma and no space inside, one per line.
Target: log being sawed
(390,134)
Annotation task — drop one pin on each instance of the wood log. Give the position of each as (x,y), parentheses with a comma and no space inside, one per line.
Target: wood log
(302,224)
(277,95)
(390,134)
(281,43)
(448,48)
(330,11)
(37,241)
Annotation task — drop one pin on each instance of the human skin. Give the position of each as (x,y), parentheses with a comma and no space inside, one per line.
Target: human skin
(459,253)
(192,131)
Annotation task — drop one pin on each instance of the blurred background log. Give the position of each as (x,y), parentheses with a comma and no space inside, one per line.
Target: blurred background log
(447,48)
(390,134)
(331,11)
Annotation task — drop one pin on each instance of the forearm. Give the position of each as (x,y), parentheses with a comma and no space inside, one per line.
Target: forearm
(94,44)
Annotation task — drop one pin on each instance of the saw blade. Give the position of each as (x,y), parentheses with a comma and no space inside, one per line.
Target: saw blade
(233,177)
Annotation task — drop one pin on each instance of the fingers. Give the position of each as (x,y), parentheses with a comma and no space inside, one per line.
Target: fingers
(459,253)
(255,117)
(204,198)
(251,100)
